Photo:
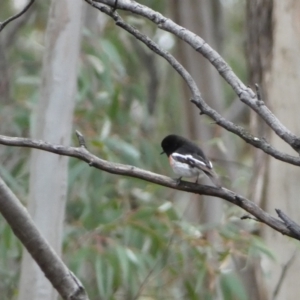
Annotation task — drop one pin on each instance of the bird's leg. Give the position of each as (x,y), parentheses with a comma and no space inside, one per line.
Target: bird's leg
(197,179)
(114,8)
(178,180)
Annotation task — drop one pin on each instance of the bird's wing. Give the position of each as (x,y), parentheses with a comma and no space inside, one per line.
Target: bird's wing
(193,160)
(199,162)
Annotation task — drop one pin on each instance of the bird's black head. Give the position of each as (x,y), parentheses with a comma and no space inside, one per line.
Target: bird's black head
(171,143)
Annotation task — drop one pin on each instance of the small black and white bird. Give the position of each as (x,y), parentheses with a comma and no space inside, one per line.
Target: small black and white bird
(187,159)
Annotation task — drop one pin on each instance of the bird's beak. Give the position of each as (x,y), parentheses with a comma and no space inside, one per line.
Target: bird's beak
(162,152)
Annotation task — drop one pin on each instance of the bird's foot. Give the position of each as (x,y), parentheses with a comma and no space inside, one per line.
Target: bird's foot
(115,6)
(178,180)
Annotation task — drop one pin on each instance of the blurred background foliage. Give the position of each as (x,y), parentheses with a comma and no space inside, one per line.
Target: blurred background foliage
(124,238)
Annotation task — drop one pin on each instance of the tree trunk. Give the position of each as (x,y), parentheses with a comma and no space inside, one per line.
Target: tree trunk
(53,123)
(273,52)
(282,188)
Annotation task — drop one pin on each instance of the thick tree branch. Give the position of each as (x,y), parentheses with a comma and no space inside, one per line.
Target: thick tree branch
(23,11)
(63,280)
(126,170)
(245,94)
(260,143)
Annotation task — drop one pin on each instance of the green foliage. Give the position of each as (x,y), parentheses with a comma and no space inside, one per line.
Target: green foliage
(146,249)
(10,251)
(232,288)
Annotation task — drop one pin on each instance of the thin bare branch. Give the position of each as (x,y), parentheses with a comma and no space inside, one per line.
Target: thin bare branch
(131,171)
(23,11)
(81,139)
(245,94)
(162,257)
(293,226)
(249,217)
(283,274)
(10,33)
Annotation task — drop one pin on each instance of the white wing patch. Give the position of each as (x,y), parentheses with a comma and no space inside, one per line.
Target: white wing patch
(190,158)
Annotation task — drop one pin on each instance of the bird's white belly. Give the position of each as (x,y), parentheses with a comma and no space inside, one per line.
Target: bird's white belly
(185,170)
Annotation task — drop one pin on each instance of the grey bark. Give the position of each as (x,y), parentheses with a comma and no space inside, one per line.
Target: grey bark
(53,122)
(282,186)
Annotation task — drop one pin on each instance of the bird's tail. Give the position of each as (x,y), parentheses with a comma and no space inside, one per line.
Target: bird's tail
(214,178)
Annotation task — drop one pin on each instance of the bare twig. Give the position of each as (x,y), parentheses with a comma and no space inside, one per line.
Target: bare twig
(23,11)
(131,171)
(283,274)
(260,143)
(80,138)
(293,226)
(258,92)
(248,217)
(245,94)
(162,257)
(9,35)
(63,280)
